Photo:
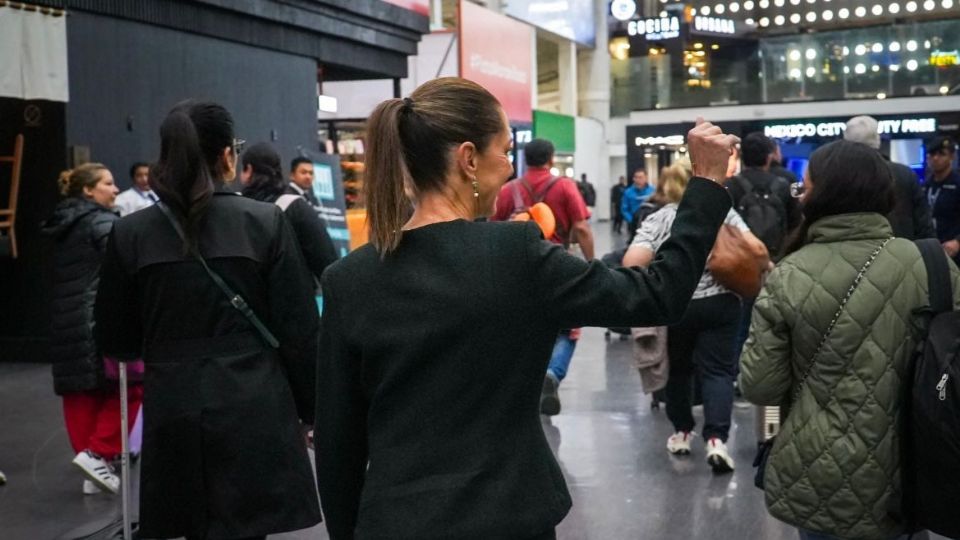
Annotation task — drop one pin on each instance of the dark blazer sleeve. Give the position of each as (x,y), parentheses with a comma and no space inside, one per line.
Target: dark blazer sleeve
(315,242)
(294,317)
(340,431)
(118,329)
(922,218)
(578,293)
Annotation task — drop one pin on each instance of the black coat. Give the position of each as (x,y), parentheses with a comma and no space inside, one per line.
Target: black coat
(312,236)
(432,362)
(910,218)
(79,229)
(223,456)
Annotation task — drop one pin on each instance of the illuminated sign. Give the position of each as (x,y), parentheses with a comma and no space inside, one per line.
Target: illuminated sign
(655,29)
(671,140)
(623,10)
(714,24)
(945,58)
(835,129)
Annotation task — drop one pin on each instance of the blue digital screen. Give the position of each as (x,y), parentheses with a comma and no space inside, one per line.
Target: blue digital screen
(572,19)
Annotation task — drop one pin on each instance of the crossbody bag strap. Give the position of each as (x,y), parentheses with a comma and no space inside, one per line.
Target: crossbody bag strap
(235,299)
(833,323)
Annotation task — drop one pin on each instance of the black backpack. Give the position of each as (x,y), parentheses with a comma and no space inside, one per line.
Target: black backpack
(764,213)
(588,193)
(931,416)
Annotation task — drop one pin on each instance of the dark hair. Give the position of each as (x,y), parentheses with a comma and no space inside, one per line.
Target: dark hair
(847,178)
(135,166)
(72,182)
(266,180)
(409,140)
(538,152)
(297,161)
(755,149)
(192,139)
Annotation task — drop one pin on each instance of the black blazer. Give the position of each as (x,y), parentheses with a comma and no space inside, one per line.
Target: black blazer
(432,362)
(910,217)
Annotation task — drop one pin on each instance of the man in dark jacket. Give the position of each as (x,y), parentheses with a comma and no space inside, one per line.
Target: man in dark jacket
(301,180)
(943,193)
(911,217)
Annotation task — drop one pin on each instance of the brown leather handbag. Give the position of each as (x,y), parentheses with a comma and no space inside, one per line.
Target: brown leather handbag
(738,261)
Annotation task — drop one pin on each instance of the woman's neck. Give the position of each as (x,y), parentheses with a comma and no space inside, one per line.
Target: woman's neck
(437,207)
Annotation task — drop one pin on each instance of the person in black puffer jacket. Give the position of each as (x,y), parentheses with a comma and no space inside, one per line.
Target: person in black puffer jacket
(79,228)
(263,180)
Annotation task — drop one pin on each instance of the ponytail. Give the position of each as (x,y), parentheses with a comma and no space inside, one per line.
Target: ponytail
(192,137)
(386,175)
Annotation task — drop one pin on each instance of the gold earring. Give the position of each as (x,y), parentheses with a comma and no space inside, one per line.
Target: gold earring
(476,189)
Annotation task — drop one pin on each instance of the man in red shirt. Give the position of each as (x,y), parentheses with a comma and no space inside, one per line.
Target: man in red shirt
(571,214)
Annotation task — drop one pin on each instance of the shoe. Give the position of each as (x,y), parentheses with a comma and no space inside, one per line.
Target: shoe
(89,488)
(679,443)
(98,471)
(550,397)
(718,457)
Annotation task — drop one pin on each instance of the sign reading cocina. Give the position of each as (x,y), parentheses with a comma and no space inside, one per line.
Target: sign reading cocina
(494,53)
(655,29)
(901,126)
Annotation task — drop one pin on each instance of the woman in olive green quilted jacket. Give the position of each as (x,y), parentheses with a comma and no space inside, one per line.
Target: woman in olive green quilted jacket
(834,468)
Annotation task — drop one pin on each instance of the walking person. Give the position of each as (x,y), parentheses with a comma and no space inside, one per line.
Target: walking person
(432,421)
(211,290)
(262,180)
(832,339)
(943,193)
(701,344)
(616,197)
(634,196)
(80,226)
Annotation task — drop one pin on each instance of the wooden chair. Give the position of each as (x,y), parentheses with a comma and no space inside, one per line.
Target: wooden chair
(8,215)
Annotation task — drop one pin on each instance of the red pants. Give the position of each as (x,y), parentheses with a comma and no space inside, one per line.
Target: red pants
(93,419)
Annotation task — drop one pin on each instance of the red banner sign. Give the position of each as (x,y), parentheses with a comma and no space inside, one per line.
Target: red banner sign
(496,52)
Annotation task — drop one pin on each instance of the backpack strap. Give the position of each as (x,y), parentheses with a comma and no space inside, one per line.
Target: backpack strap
(939,286)
(543,194)
(518,203)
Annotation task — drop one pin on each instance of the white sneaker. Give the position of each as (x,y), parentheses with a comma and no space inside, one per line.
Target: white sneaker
(718,457)
(98,471)
(89,488)
(679,443)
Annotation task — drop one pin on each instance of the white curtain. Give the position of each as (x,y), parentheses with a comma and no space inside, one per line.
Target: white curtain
(33,55)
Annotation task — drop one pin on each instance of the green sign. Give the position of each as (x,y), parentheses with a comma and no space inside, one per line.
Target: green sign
(559,129)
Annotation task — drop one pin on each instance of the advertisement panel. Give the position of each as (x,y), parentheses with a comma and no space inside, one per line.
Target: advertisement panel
(495,53)
(328,189)
(420,6)
(572,19)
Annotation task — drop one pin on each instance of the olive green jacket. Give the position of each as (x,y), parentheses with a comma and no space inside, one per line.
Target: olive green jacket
(835,465)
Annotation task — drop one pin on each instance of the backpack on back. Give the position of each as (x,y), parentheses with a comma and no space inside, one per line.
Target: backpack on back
(537,211)
(763,212)
(931,416)
(588,193)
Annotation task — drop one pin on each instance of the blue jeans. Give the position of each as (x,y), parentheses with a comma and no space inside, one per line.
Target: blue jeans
(808,535)
(562,355)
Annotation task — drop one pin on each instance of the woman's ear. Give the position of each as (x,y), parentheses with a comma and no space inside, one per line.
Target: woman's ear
(228,164)
(467,159)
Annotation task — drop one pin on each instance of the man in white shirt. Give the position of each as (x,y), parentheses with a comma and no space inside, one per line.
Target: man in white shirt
(140,195)
(301,180)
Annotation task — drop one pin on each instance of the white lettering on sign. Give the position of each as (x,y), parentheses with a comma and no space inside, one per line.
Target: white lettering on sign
(672,140)
(715,24)
(836,129)
(524,136)
(655,29)
(496,69)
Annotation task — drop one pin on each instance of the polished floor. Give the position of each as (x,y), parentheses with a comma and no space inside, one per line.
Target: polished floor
(609,442)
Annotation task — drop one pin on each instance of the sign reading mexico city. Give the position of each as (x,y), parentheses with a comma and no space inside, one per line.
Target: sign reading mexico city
(902,126)
(655,29)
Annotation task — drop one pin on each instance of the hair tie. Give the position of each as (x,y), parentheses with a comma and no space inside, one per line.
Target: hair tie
(408,103)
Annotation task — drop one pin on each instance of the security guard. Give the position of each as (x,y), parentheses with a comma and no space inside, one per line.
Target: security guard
(943,193)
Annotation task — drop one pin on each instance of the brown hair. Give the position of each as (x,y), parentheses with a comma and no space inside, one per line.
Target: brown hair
(671,184)
(73,181)
(410,140)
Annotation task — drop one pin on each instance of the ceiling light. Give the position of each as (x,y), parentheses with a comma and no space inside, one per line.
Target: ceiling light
(779,20)
(811,72)
(862,11)
(698,46)
(794,55)
(894,67)
(764,21)
(947,4)
(860,50)
(894,8)
(911,45)
(734,7)
(846,69)
(913,65)
(875,68)
(705,10)
(877,10)
(926,44)
(860,69)
(663,14)
(811,17)
(715,47)
(719,9)
(894,46)
(749,21)
(911,6)
(929,5)
(877,48)
(827,15)
(778,3)
(846,51)
(764,4)
(944,90)
(881,95)
(748,5)
(811,54)
(843,13)
(795,2)
(795,18)
(795,73)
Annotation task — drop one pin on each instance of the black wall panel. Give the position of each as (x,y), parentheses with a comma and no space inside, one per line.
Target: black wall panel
(125,76)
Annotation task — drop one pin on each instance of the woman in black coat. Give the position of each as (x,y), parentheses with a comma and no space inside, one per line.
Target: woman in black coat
(437,334)
(223,454)
(79,229)
(262,179)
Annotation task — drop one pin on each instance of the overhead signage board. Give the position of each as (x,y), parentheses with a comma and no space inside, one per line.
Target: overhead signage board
(495,53)
(570,19)
(655,29)
(714,25)
(895,126)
